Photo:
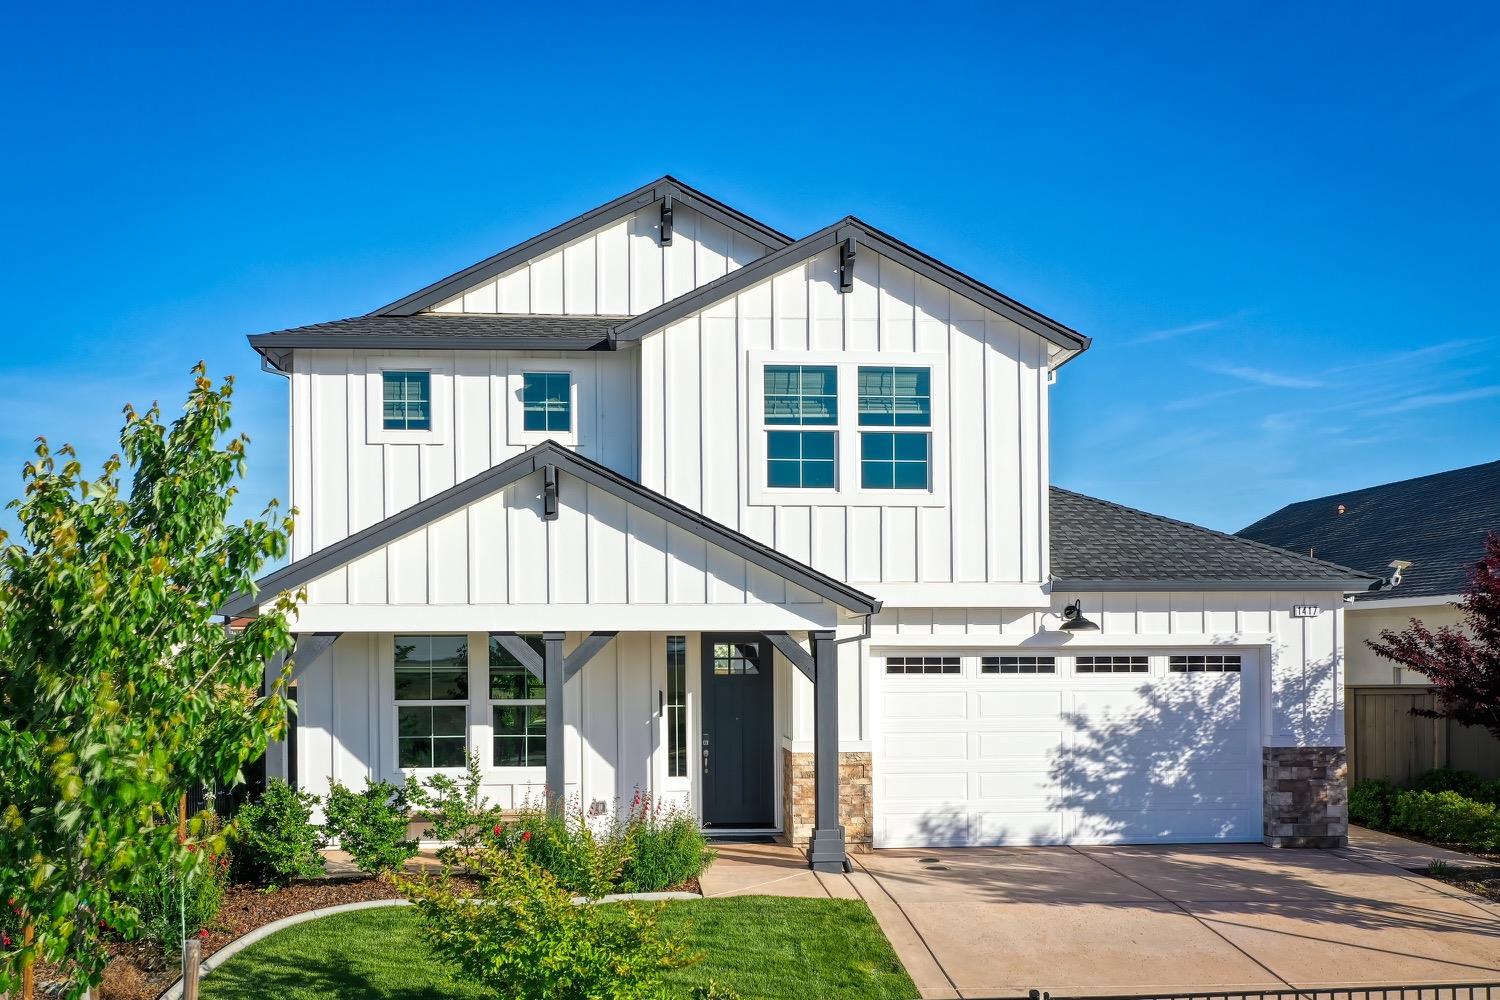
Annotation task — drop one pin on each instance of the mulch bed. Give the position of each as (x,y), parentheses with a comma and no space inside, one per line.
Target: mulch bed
(138,970)
(1483,880)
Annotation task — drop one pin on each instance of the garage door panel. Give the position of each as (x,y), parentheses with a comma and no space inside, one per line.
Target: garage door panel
(1087,758)
(997,705)
(952,706)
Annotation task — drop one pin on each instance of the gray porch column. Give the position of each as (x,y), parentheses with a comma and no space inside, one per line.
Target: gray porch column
(552,671)
(826,850)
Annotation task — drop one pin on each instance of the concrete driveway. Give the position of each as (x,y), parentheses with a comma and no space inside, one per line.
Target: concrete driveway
(981,922)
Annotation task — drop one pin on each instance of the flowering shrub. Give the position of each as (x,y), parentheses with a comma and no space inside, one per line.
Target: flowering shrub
(371,825)
(664,847)
(455,810)
(173,899)
(584,860)
(522,936)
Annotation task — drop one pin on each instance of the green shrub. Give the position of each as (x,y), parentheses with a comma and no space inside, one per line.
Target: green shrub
(371,825)
(276,840)
(1370,803)
(664,848)
(1466,783)
(584,860)
(170,897)
(1447,817)
(523,936)
(455,810)
(713,991)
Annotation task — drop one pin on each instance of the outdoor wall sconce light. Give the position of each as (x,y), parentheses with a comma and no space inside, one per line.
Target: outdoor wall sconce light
(1073,620)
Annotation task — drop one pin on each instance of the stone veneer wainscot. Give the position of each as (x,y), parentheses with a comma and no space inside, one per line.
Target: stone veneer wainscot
(856,811)
(1306,797)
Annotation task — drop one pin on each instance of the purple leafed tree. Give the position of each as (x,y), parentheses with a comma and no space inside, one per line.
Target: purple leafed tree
(1462,663)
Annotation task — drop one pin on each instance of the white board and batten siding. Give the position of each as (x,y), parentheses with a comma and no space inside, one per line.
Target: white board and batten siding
(619,270)
(1069,757)
(979,538)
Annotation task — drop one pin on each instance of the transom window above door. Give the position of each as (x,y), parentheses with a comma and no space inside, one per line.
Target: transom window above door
(547,401)
(736,658)
(406,400)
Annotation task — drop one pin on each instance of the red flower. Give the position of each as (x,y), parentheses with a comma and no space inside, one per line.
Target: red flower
(526,836)
(5,940)
(498,829)
(203,934)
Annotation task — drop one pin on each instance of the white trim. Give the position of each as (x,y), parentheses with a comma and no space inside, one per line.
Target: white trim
(848,493)
(882,645)
(583,386)
(960,595)
(435,618)
(440,380)
(1435,601)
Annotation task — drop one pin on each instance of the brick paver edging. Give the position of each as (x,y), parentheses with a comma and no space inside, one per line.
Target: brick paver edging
(239,944)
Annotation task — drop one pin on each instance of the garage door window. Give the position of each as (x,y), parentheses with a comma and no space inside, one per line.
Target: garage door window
(922,665)
(1212,663)
(1112,665)
(1018,665)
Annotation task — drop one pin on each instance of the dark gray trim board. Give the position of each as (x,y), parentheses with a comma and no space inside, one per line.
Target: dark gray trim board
(551,453)
(850,228)
(663,187)
(1355,585)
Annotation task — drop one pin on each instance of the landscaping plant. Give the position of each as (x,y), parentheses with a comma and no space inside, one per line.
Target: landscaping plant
(522,935)
(455,810)
(1463,663)
(585,858)
(174,901)
(120,687)
(371,825)
(1370,802)
(276,840)
(664,847)
(1445,815)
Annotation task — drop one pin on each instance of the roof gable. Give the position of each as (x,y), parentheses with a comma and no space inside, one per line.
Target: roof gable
(656,191)
(1437,523)
(859,234)
(1098,545)
(454,501)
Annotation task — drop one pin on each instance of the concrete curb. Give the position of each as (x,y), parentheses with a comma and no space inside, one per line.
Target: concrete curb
(239,944)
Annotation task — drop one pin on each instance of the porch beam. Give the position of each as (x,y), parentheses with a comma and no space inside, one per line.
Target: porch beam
(522,651)
(795,654)
(585,651)
(553,677)
(826,850)
(309,648)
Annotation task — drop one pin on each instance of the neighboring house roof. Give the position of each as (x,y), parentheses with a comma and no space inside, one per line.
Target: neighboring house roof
(1437,523)
(443,331)
(547,453)
(620,207)
(863,234)
(1103,546)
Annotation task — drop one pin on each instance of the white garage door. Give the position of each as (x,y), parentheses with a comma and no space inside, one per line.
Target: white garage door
(1095,747)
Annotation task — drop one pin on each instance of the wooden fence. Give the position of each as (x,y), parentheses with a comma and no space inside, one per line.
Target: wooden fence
(1387,741)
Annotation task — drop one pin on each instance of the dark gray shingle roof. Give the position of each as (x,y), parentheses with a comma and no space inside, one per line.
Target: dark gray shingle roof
(1095,542)
(1437,523)
(443,331)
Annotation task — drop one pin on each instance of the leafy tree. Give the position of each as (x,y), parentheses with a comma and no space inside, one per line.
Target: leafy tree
(1462,663)
(120,690)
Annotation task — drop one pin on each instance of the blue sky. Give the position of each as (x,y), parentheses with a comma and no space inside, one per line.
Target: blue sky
(1279,223)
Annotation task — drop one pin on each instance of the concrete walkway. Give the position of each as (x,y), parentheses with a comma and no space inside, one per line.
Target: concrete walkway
(983,922)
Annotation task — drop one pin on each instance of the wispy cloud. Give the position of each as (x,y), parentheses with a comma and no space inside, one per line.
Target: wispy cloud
(1425,400)
(1261,376)
(1173,332)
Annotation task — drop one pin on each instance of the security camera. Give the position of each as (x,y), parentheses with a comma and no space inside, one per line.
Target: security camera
(1400,566)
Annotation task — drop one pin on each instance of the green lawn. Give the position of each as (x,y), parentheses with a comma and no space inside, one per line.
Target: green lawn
(764,947)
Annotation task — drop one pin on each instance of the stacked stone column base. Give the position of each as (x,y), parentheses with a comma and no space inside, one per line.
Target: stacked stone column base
(1306,797)
(799,798)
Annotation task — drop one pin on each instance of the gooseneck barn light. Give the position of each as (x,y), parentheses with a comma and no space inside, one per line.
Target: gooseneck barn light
(1073,620)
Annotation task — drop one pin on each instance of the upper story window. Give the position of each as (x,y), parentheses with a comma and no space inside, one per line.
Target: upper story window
(547,401)
(407,400)
(801,396)
(899,398)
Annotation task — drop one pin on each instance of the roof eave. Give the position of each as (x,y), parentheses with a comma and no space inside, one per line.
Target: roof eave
(276,348)
(1354,585)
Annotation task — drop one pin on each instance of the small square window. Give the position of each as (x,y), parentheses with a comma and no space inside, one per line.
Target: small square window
(406,400)
(894,461)
(547,401)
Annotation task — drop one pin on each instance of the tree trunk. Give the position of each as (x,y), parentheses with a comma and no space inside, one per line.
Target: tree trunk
(28,967)
(192,955)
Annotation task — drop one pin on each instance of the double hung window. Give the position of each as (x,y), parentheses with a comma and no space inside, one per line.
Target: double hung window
(432,700)
(898,398)
(799,397)
(518,709)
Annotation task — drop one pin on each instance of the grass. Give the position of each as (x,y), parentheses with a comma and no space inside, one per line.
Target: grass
(760,946)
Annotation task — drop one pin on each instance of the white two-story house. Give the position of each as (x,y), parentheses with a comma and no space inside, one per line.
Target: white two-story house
(664,500)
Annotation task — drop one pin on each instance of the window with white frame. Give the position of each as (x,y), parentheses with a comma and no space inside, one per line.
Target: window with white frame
(1018,665)
(1115,664)
(432,700)
(547,401)
(923,665)
(406,400)
(899,398)
(676,708)
(518,709)
(795,397)
(1199,663)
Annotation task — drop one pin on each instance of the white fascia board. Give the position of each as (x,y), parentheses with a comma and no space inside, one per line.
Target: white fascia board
(961,595)
(1053,639)
(565,617)
(1377,604)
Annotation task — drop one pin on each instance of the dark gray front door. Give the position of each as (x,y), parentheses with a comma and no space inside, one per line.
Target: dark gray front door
(738,783)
